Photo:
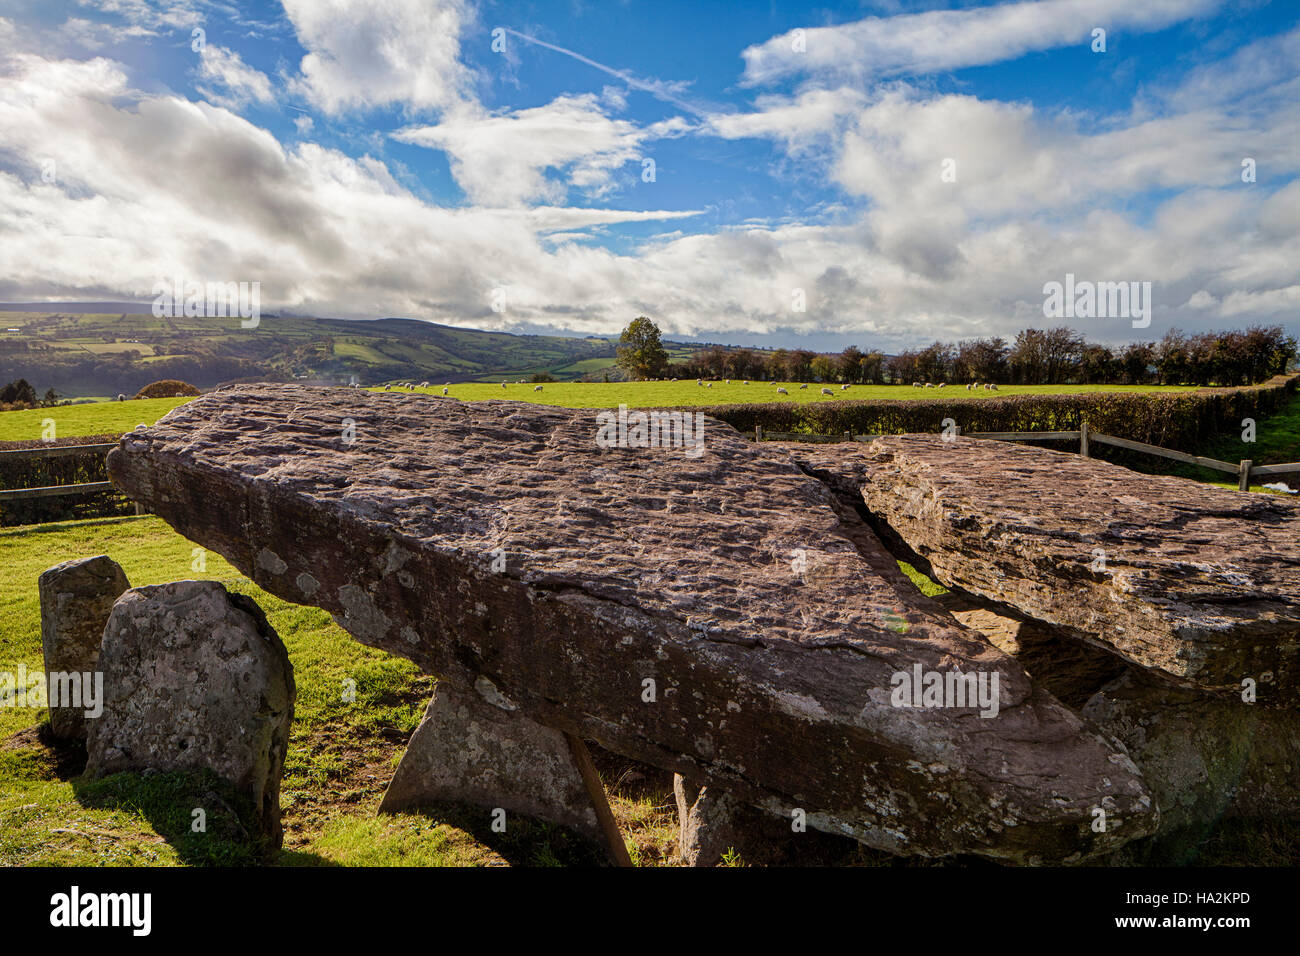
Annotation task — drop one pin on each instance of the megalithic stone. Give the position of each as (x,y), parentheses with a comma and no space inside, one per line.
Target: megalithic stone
(1197,583)
(76,600)
(475,747)
(678,597)
(196,678)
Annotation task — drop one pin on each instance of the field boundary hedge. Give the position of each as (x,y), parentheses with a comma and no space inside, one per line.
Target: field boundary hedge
(23,472)
(1182,421)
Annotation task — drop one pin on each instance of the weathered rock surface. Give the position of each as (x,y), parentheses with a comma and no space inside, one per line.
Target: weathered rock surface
(1197,582)
(710,822)
(474,747)
(195,677)
(713,615)
(1205,758)
(1070,670)
(76,599)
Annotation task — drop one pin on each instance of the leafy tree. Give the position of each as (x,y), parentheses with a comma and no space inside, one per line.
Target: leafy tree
(640,351)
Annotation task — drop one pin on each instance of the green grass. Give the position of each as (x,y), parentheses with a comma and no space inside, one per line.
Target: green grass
(97,418)
(669,394)
(118,417)
(340,759)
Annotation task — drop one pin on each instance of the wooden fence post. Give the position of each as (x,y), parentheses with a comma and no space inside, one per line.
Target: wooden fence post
(1243,475)
(758,433)
(1083,440)
(848,436)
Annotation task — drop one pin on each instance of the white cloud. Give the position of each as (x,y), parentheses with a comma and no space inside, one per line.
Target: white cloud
(941,40)
(501,160)
(225,79)
(368,53)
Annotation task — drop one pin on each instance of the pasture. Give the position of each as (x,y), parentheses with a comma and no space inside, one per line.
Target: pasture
(99,418)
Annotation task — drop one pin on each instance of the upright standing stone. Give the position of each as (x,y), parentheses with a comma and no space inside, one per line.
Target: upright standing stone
(195,677)
(474,747)
(76,599)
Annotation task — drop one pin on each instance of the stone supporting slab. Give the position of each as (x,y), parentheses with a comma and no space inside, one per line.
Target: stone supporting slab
(474,747)
(76,600)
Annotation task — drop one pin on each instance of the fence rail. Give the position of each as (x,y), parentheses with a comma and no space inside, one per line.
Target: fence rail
(55,491)
(1245,469)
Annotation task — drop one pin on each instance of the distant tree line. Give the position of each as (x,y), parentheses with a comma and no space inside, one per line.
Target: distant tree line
(1059,356)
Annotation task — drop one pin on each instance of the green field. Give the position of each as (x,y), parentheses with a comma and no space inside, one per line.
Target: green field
(103,417)
(96,418)
(341,755)
(670,394)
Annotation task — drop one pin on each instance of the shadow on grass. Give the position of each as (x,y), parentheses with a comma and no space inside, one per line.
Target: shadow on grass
(525,842)
(203,817)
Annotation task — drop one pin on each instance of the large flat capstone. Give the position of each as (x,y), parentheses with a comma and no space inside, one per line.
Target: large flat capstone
(714,614)
(1197,583)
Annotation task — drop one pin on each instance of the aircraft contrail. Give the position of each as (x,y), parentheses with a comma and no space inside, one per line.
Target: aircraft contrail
(654,89)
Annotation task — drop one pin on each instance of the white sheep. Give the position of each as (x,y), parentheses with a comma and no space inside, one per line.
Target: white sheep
(941,385)
(968,387)
(929,385)
(744,383)
(388,388)
(827,391)
(781,391)
(699,381)
(444,390)
(121,398)
(503,384)
(537,388)
(804,385)
(916,384)
(993,388)
(424,385)
(710,385)
(844,388)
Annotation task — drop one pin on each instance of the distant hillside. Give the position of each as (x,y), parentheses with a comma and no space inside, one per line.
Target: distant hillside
(90,354)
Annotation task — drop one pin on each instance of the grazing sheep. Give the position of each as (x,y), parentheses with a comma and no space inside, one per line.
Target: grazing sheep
(744,383)
(388,388)
(929,385)
(699,381)
(424,385)
(121,398)
(827,391)
(503,384)
(941,385)
(843,388)
(781,391)
(916,384)
(968,387)
(805,385)
(537,388)
(444,390)
(993,388)
(710,385)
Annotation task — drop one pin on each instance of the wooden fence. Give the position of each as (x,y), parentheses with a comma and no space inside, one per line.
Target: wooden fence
(1245,469)
(53,491)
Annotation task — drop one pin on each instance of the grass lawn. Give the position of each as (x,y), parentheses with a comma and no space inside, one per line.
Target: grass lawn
(105,417)
(95,418)
(340,759)
(667,394)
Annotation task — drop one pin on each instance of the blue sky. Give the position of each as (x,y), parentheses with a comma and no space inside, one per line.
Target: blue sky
(379,157)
